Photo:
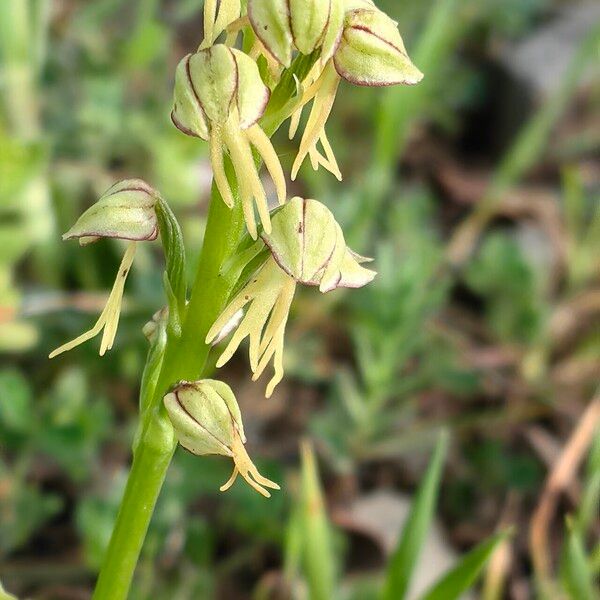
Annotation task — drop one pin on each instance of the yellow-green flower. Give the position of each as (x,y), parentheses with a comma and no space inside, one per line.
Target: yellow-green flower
(370,53)
(207,420)
(125,211)
(219,97)
(306,246)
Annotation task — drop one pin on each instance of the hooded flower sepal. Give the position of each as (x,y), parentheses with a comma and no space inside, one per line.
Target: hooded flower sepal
(370,53)
(284,26)
(306,246)
(207,420)
(126,211)
(219,97)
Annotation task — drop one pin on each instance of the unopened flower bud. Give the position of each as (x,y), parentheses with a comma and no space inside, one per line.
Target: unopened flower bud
(307,246)
(304,25)
(219,97)
(207,420)
(371,51)
(158,318)
(125,211)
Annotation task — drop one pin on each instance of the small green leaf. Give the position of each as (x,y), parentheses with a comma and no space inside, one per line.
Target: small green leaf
(459,579)
(16,405)
(402,563)
(172,241)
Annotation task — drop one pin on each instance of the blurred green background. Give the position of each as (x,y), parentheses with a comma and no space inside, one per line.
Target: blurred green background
(477,192)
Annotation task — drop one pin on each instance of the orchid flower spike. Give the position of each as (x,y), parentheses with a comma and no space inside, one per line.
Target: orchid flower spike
(207,420)
(217,21)
(306,246)
(126,211)
(219,97)
(370,53)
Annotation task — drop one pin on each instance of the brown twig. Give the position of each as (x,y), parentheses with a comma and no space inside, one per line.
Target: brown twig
(558,480)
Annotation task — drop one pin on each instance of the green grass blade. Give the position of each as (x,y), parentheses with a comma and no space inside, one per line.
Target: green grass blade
(4,595)
(317,556)
(404,559)
(575,571)
(459,579)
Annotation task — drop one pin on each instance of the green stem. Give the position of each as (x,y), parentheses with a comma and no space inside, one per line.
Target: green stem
(185,358)
(145,480)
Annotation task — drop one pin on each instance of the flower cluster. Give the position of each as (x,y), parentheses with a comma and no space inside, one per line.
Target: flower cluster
(306,245)
(222,95)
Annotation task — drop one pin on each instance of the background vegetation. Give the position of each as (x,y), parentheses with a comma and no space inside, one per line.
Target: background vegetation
(476,192)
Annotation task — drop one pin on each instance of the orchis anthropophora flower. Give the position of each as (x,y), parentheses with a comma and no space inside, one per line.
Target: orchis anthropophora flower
(219,97)
(126,211)
(207,420)
(370,53)
(306,246)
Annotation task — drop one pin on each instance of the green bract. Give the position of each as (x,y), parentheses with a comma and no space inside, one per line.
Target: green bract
(207,420)
(125,211)
(304,25)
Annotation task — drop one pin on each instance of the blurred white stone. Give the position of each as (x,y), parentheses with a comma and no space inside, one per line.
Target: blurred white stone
(382,515)
(542,58)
